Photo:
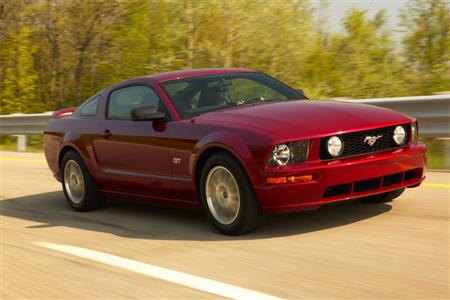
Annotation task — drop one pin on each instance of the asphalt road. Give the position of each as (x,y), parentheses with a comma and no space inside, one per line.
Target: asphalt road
(353,250)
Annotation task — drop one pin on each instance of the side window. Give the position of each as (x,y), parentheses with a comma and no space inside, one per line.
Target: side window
(90,107)
(123,100)
(184,95)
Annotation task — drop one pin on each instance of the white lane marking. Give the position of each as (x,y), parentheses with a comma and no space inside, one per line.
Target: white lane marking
(188,280)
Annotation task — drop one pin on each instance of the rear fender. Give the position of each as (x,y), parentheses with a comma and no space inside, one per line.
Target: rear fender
(72,139)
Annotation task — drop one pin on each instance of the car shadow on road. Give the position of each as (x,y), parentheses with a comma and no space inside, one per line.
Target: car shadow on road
(139,220)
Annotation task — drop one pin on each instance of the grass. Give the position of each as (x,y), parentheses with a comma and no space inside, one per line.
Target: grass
(34,143)
(12,147)
(438,153)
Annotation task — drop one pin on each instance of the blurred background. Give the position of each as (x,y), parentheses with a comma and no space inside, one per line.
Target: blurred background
(55,53)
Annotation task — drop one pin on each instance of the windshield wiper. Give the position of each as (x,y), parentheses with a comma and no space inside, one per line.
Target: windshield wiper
(255,100)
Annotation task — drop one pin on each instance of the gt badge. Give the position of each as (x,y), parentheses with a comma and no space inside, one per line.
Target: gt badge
(176,160)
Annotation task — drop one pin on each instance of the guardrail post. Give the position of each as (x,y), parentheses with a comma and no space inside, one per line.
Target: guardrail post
(446,154)
(21,143)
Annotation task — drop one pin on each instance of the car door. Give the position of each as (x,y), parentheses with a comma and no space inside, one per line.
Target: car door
(133,156)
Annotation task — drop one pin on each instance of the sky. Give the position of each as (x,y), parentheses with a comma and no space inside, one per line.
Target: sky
(338,8)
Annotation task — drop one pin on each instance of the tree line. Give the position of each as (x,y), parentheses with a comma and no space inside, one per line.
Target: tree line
(57,53)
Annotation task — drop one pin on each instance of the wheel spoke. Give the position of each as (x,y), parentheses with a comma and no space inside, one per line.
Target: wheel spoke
(222,195)
(74,181)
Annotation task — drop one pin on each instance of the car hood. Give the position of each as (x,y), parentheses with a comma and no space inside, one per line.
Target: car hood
(296,119)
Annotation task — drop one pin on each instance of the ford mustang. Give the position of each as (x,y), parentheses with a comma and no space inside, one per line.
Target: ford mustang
(236,143)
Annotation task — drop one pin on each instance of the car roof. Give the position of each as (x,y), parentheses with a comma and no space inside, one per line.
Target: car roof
(161,77)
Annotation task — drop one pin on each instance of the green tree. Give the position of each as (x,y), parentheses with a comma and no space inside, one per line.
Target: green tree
(364,62)
(56,53)
(427,45)
(18,81)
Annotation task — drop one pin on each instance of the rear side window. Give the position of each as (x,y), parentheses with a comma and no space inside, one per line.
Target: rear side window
(90,107)
(123,100)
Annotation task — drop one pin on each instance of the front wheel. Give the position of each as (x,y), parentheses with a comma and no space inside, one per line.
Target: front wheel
(384,197)
(228,197)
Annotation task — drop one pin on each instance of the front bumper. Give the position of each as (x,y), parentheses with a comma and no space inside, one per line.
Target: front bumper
(342,179)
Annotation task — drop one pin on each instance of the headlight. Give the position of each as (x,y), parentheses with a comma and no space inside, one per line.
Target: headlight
(335,146)
(399,135)
(291,152)
(414,133)
(281,154)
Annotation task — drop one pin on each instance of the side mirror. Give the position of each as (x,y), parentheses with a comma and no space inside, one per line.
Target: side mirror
(147,113)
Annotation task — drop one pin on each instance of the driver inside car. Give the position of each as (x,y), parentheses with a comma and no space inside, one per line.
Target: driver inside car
(215,94)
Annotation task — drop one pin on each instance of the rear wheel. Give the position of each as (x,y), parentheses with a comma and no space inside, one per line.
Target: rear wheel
(228,197)
(79,188)
(384,197)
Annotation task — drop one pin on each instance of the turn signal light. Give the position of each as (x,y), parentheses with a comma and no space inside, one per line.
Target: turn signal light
(289,179)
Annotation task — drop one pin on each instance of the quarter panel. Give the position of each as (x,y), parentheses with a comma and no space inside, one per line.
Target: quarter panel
(72,132)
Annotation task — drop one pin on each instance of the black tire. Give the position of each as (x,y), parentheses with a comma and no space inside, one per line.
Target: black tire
(249,215)
(384,197)
(91,199)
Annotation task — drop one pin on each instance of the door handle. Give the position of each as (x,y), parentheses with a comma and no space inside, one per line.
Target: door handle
(106,133)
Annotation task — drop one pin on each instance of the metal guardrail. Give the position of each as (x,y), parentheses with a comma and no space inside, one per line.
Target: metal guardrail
(432,112)
(24,124)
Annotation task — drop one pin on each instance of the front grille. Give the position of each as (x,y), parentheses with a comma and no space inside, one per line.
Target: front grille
(354,142)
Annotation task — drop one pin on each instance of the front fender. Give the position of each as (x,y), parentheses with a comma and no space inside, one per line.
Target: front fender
(228,141)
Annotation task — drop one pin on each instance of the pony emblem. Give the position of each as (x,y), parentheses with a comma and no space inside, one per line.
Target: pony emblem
(370,140)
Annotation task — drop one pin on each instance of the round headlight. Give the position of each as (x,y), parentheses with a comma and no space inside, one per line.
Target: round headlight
(281,154)
(399,135)
(335,146)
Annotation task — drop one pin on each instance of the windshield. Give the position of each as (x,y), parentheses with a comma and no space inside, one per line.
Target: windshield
(197,95)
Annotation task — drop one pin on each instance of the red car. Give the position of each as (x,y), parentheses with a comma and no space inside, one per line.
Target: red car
(236,143)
